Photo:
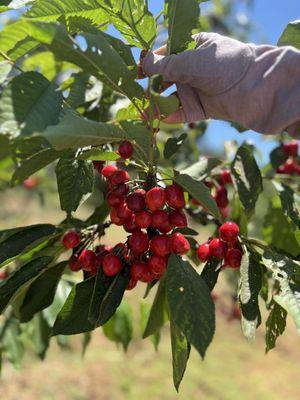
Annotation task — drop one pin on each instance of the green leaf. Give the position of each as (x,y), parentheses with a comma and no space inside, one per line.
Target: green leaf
(182,17)
(41,335)
(144,317)
(21,279)
(290,202)
(289,300)
(73,317)
(278,231)
(186,231)
(164,105)
(53,10)
(250,286)
(29,103)
(133,19)
(11,342)
(246,177)
(75,182)
(202,168)
(158,313)
(291,35)
(180,354)
(173,145)
(199,192)
(119,328)
(280,265)
(113,296)
(5,68)
(101,287)
(278,157)
(18,240)
(190,303)
(275,325)
(99,59)
(210,273)
(95,154)
(41,292)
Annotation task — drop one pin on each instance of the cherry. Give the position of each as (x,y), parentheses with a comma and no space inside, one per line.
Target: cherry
(136,201)
(280,170)
(130,225)
(108,170)
(160,218)
(203,252)
(218,248)
(147,275)
(157,265)
(123,212)
(125,149)
(229,232)
(166,227)
(137,270)
(180,244)
(3,275)
(98,165)
(155,198)
(225,177)
(233,258)
(71,239)
(115,219)
(175,196)
(178,218)
(221,197)
(289,167)
(192,125)
(87,259)
(100,257)
(143,219)
(161,245)
(111,265)
(120,190)
(74,263)
(138,242)
(291,148)
(31,182)
(118,177)
(115,200)
(132,284)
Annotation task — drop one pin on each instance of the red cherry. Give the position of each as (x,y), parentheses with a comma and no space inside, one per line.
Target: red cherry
(125,149)
(137,270)
(159,218)
(218,248)
(100,257)
(178,218)
(109,170)
(175,196)
(71,239)
(291,148)
(225,177)
(123,212)
(121,189)
(87,259)
(192,125)
(98,165)
(280,170)
(74,263)
(161,245)
(130,225)
(115,219)
(111,265)
(289,167)
(143,219)
(155,198)
(180,244)
(157,265)
(119,177)
(132,284)
(136,201)
(31,182)
(147,275)
(221,197)
(166,228)
(229,232)
(233,258)
(138,242)
(203,252)
(3,275)
(115,200)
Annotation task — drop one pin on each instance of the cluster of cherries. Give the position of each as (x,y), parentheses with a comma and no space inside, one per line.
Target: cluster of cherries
(226,247)
(150,216)
(291,165)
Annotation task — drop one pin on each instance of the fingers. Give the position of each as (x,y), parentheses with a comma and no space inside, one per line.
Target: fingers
(178,117)
(161,51)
